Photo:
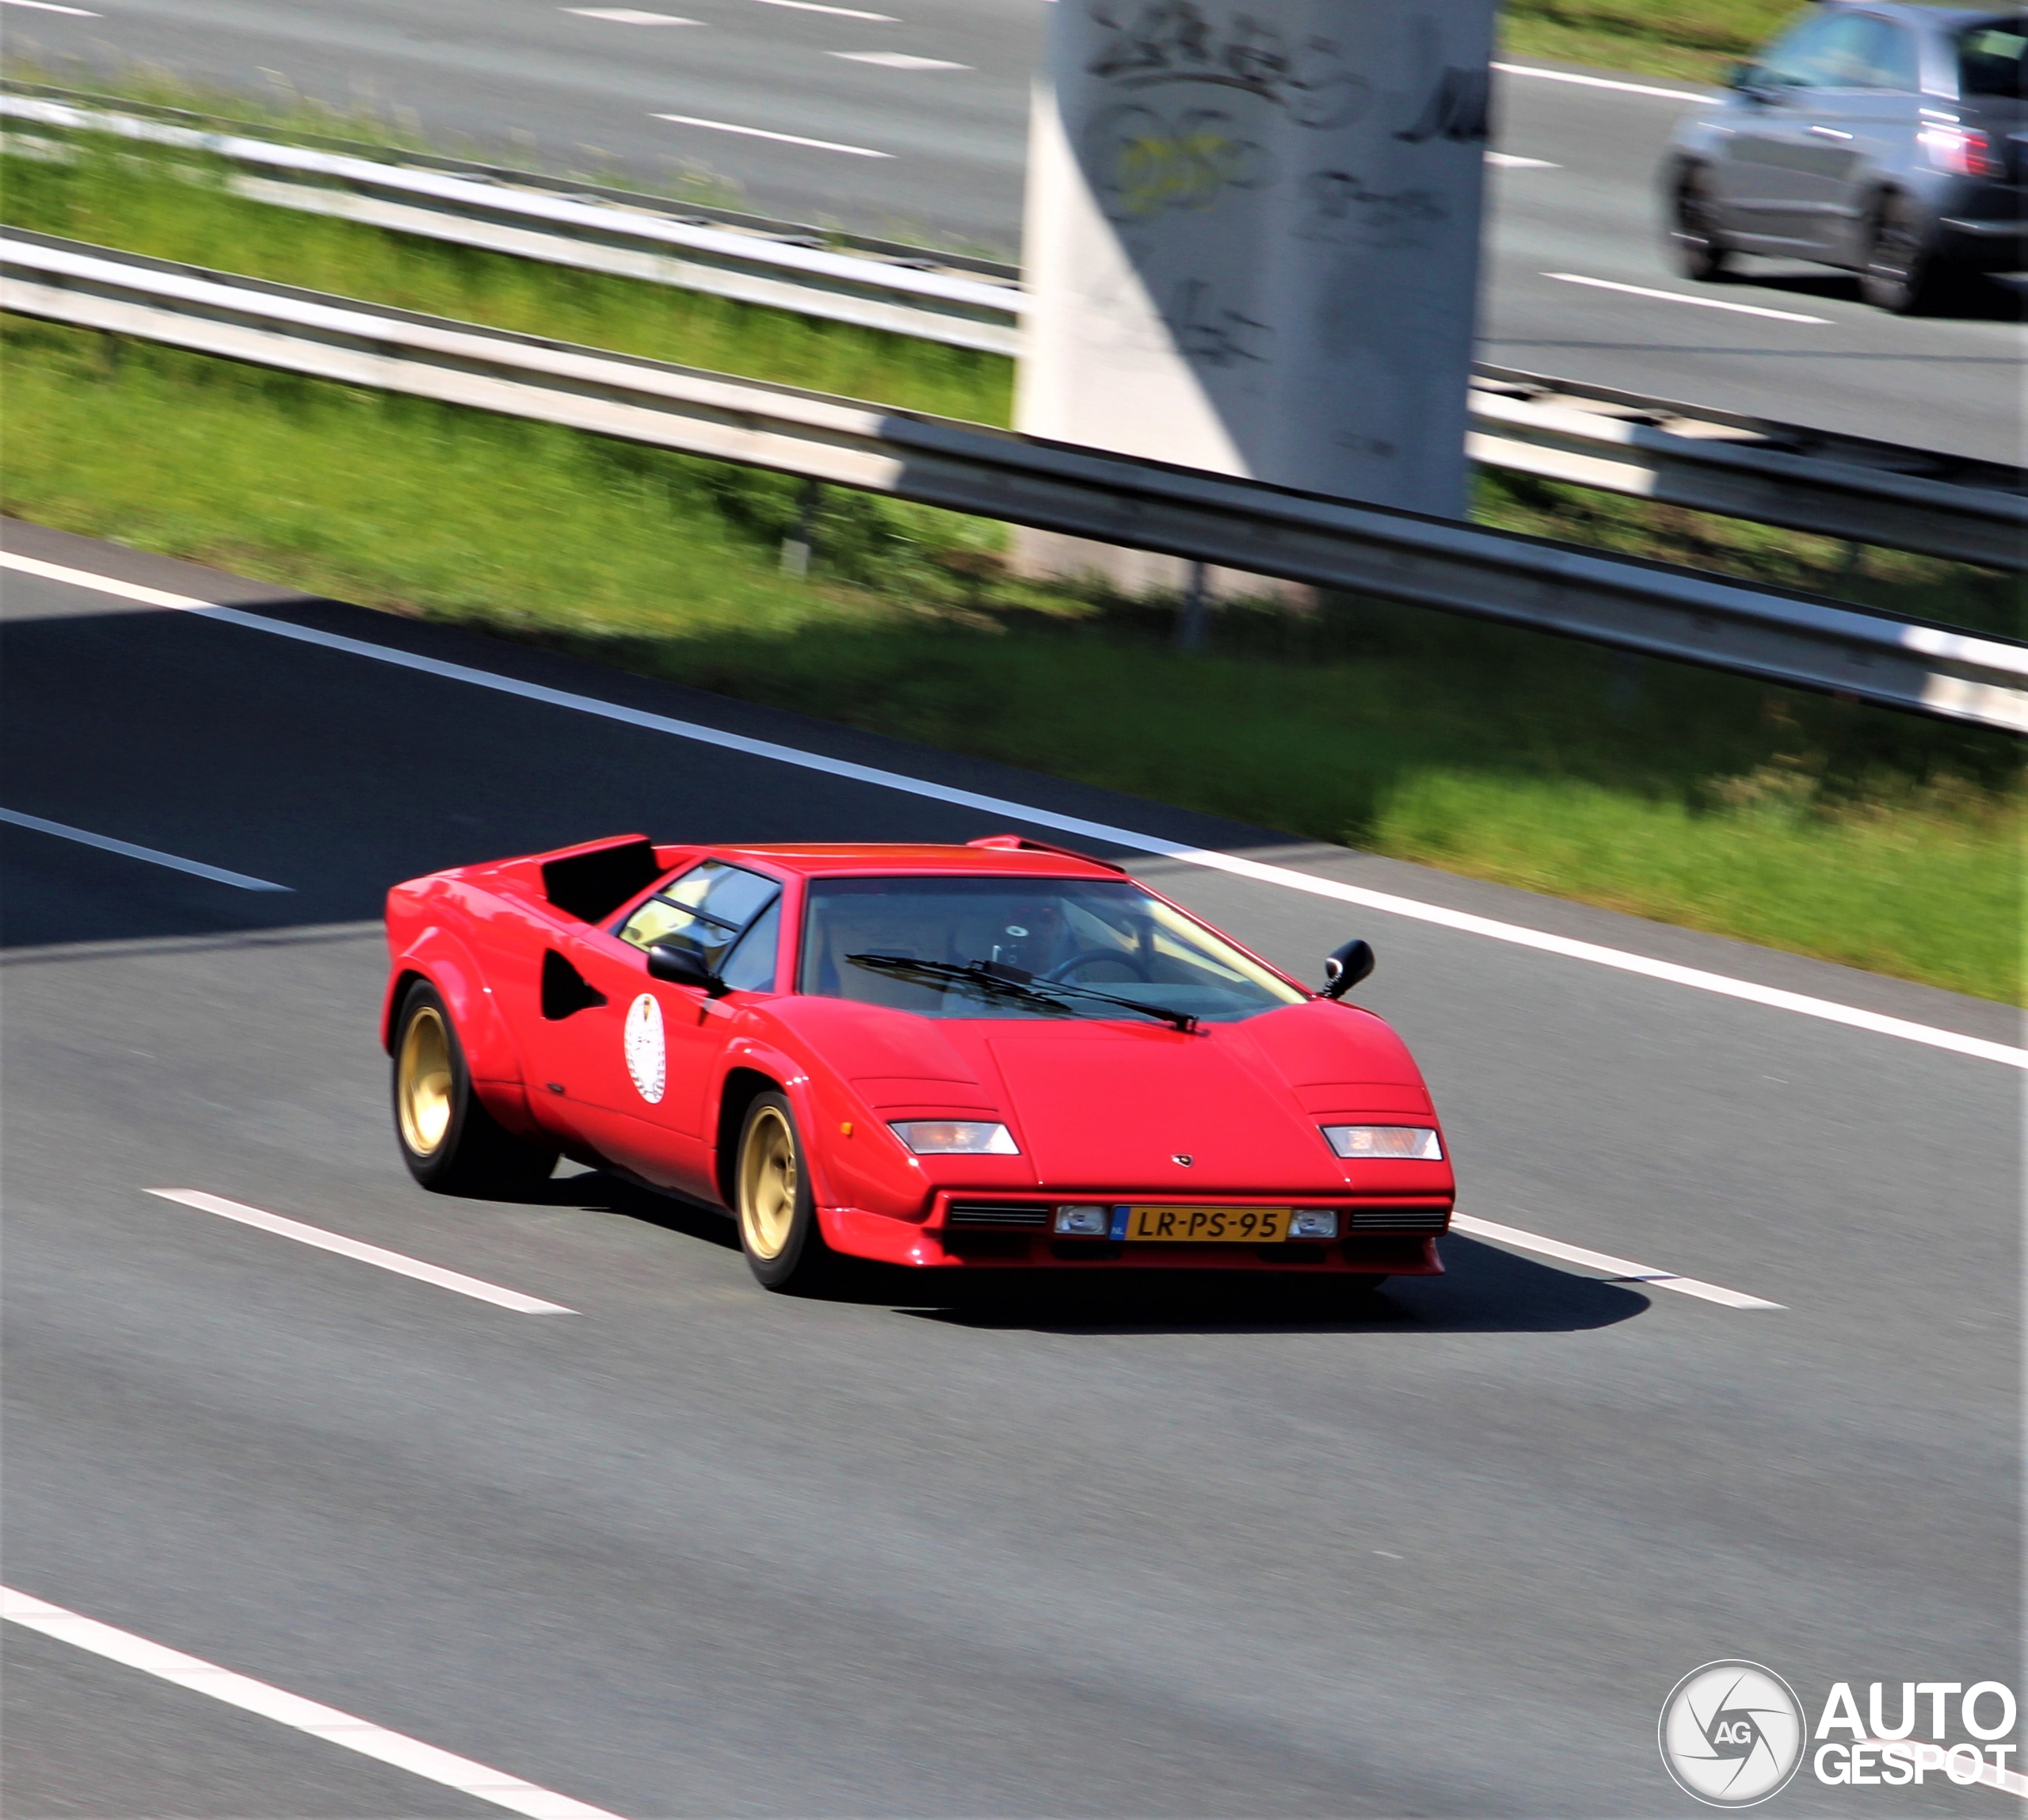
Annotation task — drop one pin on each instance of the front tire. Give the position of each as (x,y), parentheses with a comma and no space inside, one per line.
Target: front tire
(451,1143)
(774,1201)
(1700,253)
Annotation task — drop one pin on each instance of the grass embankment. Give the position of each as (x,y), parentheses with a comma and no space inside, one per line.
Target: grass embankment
(172,205)
(1826,828)
(1695,39)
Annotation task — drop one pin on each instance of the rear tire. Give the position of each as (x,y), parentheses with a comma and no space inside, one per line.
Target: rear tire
(451,1143)
(774,1202)
(1700,253)
(1903,274)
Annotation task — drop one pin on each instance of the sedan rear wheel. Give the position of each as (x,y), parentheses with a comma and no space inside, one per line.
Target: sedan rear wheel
(777,1210)
(1902,273)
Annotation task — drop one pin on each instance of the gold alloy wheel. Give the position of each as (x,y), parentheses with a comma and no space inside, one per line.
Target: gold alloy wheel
(422,1078)
(767,1184)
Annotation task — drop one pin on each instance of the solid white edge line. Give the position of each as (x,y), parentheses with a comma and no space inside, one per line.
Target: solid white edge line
(353,1248)
(1600,83)
(1979,1048)
(782,138)
(293,1710)
(1624,1269)
(627,16)
(63,831)
(1678,297)
(50,6)
(1513,160)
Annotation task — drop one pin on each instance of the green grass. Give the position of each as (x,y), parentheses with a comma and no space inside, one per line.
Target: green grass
(1693,39)
(176,205)
(170,206)
(1825,827)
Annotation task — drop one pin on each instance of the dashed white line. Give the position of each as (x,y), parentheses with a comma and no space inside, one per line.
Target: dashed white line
(627,16)
(1595,954)
(1600,82)
(1623,1268)
(105,843)
(1678,297)
(897,60)
(782,138)
(1510,161)
(292,1710)
(50,6)
(836,12)
(393,1261)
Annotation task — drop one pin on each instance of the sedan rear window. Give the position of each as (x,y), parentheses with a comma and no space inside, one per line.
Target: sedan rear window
(1989,58)
(1024,948)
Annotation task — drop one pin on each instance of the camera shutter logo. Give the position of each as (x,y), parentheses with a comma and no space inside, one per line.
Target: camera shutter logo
(1732,1733)
(647,1059)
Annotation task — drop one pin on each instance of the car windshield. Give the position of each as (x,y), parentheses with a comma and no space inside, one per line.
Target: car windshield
(996,947)
(1989,58)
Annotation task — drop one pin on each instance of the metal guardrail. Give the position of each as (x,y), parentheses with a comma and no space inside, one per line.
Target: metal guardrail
(874,285)
(1647,607)
(1756,469)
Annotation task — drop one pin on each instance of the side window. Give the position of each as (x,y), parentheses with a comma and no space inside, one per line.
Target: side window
(710,906)
(1795,60)
(1893,58)
(750,966)
(1844,52)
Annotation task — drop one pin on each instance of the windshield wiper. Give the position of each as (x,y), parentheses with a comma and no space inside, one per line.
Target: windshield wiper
(994,976)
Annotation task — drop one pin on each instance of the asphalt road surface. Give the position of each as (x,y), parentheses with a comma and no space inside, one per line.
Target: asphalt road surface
(1095,1549)
(775,98)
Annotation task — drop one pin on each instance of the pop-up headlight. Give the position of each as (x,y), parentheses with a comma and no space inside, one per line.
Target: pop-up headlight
(955,1137)
(1384,1144)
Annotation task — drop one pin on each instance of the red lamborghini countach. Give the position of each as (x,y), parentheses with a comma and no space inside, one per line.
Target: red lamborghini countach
(953,1057)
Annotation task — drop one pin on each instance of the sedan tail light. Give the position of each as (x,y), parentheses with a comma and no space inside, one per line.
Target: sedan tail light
(1964,151)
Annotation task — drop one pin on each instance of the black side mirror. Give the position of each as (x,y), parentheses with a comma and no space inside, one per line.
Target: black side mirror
(1344,968)
(681,963)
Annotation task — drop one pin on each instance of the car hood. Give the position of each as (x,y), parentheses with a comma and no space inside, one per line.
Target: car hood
(1108,1106)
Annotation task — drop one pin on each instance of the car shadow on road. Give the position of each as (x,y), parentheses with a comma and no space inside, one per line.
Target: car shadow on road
(1485,1290)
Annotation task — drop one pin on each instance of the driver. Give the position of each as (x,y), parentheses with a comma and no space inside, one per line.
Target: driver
(1033,937)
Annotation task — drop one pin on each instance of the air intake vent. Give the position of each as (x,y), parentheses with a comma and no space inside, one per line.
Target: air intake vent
(998,1213)
(1398,1219)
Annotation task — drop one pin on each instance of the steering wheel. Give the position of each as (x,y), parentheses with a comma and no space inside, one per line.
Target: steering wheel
(1131,967)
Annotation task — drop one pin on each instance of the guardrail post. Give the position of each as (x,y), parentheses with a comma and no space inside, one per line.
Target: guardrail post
(797,548)
(1190,618)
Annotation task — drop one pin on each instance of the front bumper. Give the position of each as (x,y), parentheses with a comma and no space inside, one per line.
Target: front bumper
(1391,1236)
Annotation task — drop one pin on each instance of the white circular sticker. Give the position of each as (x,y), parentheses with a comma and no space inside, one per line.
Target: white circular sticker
(647,1057)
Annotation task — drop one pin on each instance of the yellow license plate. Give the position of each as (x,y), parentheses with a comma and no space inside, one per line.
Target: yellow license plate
(1208,1225)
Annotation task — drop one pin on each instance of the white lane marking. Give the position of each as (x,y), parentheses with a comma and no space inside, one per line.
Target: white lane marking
(293,1710)
(627,16)
(1623,1268)
(1678,297)
(1850,1016)
(50,6)
(837,12)
(345,1247)
(1510,161)
(762,132)
(897,60)
(218,874)
(1601,82)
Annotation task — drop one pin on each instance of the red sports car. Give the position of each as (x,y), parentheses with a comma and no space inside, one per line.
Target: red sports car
(958,1057)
